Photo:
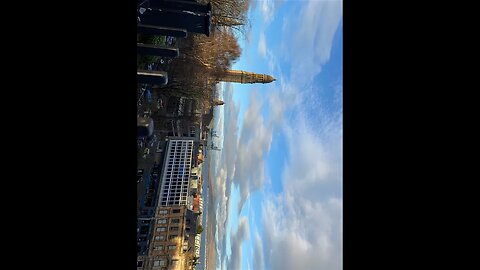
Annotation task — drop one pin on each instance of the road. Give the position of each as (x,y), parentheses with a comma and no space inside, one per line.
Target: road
(147,164)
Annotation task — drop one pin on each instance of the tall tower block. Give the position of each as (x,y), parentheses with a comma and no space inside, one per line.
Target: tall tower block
(240,76)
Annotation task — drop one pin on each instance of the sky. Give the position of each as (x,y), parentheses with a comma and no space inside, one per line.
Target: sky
(278,179)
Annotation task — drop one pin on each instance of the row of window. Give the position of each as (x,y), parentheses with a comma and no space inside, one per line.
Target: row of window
(165,211)
(177,142)
(175,196)
(173,202)
(183,156)
(172,197)
(176,178)
(162,237)
(164,220)
(182,178)
(164,263)
(177,183)
(163,229)
(178,168)
(174,188)
(177,149)
(174,149)
(179,161)
(181,142)
(179,153)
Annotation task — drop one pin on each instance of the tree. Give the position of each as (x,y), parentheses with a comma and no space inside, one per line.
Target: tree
(203,61)
(231,13)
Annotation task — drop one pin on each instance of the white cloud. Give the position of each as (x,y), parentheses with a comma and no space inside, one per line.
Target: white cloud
(267,7)
(221,201)
(253,145)
(306,217)
(258,260)
(309,39)
(283,98)
(262,45)
(236,240)
(312,231)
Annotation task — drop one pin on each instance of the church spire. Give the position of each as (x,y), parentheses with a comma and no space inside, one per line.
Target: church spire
(240,76)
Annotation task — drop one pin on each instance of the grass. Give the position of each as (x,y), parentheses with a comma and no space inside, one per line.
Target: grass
(144,60)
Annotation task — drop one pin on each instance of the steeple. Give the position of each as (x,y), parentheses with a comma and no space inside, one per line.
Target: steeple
(240,76)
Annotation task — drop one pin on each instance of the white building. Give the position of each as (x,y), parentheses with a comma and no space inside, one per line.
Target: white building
(176,174)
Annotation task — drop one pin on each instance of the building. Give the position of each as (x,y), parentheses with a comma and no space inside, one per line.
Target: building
(240,76)
(197,204)
(167,248)
(176,173)
(195,179)
(167,225)
(181,117)
(173,244)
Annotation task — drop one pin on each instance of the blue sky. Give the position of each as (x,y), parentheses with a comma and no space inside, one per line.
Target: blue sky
(278,178)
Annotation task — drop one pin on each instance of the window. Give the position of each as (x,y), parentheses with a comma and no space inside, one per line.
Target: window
(174,262)
(159,248)
(173,228)
(172,247)
(163,212)
(176,220)
(170,237)
(176,211)
(139,263)
(161,229)
(163,263)
(143,229)
(162,221)
(160,238)
(156,263)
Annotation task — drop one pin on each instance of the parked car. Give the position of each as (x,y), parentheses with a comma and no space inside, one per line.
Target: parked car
(159,147)
(144,127)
